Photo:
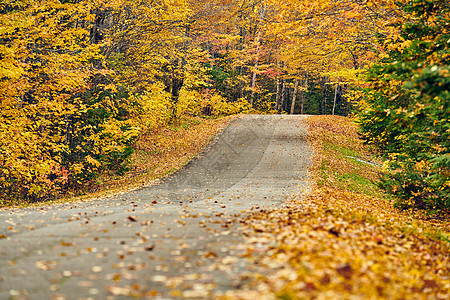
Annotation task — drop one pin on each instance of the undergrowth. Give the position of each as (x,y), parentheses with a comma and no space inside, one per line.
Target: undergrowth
(344,166)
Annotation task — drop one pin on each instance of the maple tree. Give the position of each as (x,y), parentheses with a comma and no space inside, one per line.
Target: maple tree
(56,121)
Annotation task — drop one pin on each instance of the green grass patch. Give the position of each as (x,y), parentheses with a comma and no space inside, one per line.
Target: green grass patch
(340,168)
(357,183)
(342,150)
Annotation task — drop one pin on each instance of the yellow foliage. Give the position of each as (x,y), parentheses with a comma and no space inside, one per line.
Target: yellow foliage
(193,103)
(155,107)
(222,107)
(190,103)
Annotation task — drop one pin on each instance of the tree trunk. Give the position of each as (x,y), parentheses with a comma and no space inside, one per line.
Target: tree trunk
(277,101)
(324,89)
(283,96)
(262,12)
(173,81)
(302,95)
(294,96)
(355,60)
(252,99)
(177,84)
(241,84)
(335,96)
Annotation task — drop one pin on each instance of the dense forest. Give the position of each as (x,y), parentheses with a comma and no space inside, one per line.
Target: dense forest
(81,80)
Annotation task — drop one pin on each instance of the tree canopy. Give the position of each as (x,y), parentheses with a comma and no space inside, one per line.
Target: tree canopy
(80,80)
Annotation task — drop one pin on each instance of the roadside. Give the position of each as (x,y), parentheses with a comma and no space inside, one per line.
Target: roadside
(178,239)
(157,154)
(345,240)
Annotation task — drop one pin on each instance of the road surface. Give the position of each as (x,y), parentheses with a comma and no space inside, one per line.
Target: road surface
(178,239)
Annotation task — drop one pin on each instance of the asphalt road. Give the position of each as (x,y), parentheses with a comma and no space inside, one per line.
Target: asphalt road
(178,239)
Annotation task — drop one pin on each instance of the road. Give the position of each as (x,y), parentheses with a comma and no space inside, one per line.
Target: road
(178,239)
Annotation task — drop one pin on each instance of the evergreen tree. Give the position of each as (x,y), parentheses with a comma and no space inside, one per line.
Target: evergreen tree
(409,107)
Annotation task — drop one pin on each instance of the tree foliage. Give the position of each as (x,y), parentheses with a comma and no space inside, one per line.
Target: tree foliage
(81,80)
(60,122)
(408,107)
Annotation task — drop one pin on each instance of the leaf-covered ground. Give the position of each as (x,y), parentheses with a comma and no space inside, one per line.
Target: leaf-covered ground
(345,240)
(156,154)
(164,150)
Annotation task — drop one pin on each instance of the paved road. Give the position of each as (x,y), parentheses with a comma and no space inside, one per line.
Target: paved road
(180,238)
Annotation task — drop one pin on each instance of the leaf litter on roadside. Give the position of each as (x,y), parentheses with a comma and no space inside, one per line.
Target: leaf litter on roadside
(344,239)
(341,241)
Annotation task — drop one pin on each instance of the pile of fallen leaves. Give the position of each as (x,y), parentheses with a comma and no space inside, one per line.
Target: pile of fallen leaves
(345,240)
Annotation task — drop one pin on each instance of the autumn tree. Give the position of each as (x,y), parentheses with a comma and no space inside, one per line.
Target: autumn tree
(233,32)
(408,107)
(61,120)
(81,79)
(331,41)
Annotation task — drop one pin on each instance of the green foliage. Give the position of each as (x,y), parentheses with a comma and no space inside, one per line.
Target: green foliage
(100,136)
(409,108)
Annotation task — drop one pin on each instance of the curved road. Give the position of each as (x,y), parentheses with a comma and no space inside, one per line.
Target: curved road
(162,241)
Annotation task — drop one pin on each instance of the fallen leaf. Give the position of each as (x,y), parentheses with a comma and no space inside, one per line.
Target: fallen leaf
(46,264)
(96,269)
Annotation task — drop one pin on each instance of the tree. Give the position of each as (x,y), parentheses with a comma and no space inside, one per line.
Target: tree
(408,107)
(61,120)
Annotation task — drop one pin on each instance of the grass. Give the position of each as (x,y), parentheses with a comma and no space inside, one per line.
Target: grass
(357,183)
(344,164)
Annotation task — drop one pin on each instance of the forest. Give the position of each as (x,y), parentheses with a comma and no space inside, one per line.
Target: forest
(81,81)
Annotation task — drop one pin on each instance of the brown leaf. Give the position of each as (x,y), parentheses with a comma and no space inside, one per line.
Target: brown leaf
(132,219)
(345,270)
(149,248)
(334,231)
